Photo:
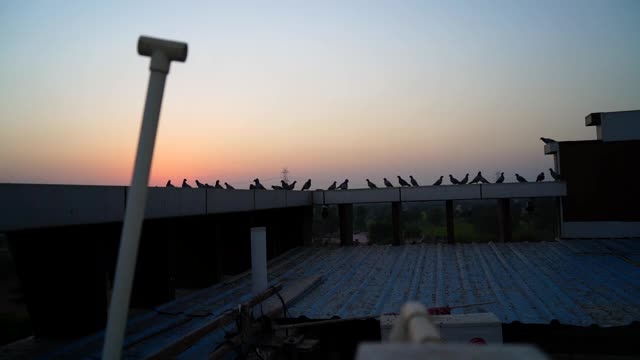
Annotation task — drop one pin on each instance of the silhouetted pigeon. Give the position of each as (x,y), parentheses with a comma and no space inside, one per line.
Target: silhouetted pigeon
(229,187)
(284,184)
(306,185)
(439,181)
(217,185)
(206,185)
(413,181)
(464,180)
(403,182)
(184,184)
(344,185)
(453,180)
(252,187)
(387,183)
(371,185)
(547,140)
(482,179)
(500,179)
(258,186)
(169,184)
(333,186)
(292,185)
(276,187)
(521,179)
(477,178)
(554,174)
(540,177)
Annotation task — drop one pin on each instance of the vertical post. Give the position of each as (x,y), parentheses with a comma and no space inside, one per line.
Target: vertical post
(345,213)
(504,220)
(450,234)
(259,281)
(307,226)
(396,208)
(162,52)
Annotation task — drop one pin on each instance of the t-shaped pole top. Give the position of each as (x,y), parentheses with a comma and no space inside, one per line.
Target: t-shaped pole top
(162,52)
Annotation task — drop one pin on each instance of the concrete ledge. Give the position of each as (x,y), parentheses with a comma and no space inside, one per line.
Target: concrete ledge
(25,206)
(170,202)
(318,197)
(442,192)
(359,196)
(270,199)
(222,201)
(298,198)
(521,190)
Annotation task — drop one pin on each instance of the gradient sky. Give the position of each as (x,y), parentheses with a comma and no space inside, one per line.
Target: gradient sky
(331,90)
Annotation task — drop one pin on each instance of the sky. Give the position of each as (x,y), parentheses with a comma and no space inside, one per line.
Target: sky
(328,89)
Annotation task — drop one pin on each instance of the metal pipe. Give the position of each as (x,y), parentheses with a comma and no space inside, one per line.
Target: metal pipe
(162,52)
(259,280)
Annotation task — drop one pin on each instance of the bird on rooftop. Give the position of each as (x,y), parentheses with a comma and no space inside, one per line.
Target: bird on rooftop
(199,184)
(291,186)
(184,184)
(521,179)
(387,183)
(554,174)
(252,187)
(477,178)
(284,184)
(206,185)
(438,182)
(453,180)
(402,181)
(371,185)
(540,177)
(344,185)
(229,187)
(413,181)
(217,185)
(306,185)
(482,179)
(547,140)
(169,184)
(500,179)
(258,186)
(464,180)
(276,187)
(333,186)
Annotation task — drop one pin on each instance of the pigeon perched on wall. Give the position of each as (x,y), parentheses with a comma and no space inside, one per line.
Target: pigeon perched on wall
(333,186)
(206,185)
(344,185)
(387,183)
(199,184)
(276,187)
(229,187)
(413,181)
(284,185)
(217,185)
(521,179)
(482,179)
(403,182)
(554,174)
(169,184)
(258,186)
(438,182)
(500,179)
(547,140)
(291,186)
(453,180)
(306,185)
(184,184)
(476,179)
(371,185)
(464,180)
(540,177)
(252,187)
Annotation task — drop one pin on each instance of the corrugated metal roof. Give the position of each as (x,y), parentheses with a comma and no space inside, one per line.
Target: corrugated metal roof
(579,282)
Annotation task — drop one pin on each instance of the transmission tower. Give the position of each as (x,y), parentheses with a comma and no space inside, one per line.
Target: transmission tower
(285,175)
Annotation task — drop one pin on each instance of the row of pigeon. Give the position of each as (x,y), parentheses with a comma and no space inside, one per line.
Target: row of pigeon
(345,184)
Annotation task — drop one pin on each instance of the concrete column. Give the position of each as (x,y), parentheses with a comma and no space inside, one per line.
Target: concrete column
(345,213)
(449,216)
(396,209)
(504,220)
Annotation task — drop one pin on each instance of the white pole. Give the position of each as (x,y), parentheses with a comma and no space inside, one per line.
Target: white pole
(259,281)
(162,52)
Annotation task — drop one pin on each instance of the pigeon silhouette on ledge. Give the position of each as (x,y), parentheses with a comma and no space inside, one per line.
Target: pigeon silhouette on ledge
(413,181)
(292,185)
(439,181)
(500,179)
(540,177)
(387,183)
(217,185)
(402,181)
(276,187)
(371,185)
(199,184)
(464,180)
(344,185)
(229,187)
(184,184)
(476,179)
(257,185)
(453,180)
(554,174)
(169,184)
(521,179)
(333,186)
(306,185)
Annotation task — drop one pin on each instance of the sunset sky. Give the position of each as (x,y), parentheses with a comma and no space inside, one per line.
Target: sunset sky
(329,89)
